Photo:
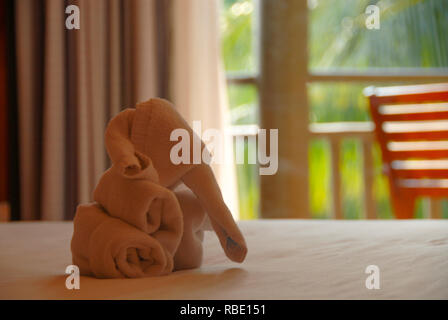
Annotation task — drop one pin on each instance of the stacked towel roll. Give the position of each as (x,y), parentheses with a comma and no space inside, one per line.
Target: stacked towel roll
(136,226)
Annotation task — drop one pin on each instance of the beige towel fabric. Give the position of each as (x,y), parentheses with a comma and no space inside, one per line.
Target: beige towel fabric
(149,214)
(143,203)
(189,252)
(146,130)
(106,247)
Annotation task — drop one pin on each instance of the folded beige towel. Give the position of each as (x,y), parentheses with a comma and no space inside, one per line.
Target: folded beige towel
(138,199)
(175,219)
(146,130)
(107,247)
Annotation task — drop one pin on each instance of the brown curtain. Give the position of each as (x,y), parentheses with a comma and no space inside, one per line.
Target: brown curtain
(69,83)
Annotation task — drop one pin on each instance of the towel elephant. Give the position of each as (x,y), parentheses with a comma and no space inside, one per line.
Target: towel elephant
(142,135)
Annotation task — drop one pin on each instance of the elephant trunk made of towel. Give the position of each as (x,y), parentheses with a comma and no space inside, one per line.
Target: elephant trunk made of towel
(146,130)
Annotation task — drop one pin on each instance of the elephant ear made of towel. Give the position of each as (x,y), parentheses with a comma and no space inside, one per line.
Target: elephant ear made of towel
(167,202)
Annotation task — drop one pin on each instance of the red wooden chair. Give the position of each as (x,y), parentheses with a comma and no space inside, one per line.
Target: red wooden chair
(411,125)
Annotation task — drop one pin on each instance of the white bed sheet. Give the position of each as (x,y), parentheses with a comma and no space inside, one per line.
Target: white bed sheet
(287,259)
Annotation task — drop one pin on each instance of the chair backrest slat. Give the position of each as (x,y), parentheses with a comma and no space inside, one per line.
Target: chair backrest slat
(411,124)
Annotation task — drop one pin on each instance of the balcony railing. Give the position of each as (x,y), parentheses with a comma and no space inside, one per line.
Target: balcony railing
(335,133)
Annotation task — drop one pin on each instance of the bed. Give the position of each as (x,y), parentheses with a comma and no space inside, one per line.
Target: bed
(288,259)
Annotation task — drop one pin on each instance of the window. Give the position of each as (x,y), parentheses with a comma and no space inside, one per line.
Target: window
(343,57)
(239,35)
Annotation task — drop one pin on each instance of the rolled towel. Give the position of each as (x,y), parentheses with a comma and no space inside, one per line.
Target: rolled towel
(136,198)
(106,247)
(174,218)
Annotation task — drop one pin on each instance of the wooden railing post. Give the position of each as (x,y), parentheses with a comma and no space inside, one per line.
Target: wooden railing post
(284,106)
(435,209)
(336,177)
(368,178)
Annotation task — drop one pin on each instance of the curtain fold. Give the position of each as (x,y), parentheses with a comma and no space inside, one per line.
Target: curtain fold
(53,114)
(29,32)
(70,82)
